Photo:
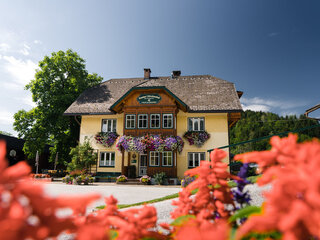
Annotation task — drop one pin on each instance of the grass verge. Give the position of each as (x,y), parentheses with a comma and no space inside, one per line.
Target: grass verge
(168,197)
(120,206)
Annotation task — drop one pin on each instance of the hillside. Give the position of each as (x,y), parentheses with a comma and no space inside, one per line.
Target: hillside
(258,124)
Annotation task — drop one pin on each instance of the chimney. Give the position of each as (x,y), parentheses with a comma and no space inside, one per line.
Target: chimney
(147,72)
(175,74)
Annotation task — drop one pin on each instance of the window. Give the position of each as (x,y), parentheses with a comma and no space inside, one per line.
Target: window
(196,124)
(154,158)
(167,120)
(154,120)
(195,158)
(109,125)
(130,121)
(167,159)
(143,121)
(107,159)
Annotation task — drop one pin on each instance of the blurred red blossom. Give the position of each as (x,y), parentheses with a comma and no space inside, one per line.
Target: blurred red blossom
(131,224)
(212,190)
(292,206)
(26,212)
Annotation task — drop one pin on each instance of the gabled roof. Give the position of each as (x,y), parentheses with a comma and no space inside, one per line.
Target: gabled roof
(201,93)
(141,88)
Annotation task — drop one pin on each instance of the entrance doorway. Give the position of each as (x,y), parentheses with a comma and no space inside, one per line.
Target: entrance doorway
(143,158)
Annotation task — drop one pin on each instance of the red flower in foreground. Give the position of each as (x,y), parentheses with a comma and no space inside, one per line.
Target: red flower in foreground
(130,224)
(292,205)
(213,190)
(26,212)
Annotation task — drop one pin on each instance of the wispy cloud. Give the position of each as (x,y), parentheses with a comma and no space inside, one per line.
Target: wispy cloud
(283,107)
(25,50)
(4,47)
(273,34)
(22,71)
(6,117)
(27,100)
(37,42)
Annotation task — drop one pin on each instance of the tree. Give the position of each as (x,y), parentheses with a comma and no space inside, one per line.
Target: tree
(6,133)
(259,124)
(83,156)
(59,80)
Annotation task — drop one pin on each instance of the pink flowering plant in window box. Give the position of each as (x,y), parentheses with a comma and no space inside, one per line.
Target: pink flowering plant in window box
(151,142)
(197,138)
(106,139)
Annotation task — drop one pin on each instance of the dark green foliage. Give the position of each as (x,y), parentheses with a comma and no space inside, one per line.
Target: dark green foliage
(58,82)
(259,124)
(83,156)
(160,178)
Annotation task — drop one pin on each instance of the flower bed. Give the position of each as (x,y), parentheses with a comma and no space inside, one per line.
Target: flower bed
(41,177)
(197,138)
(151,142)
(78,177)
(106,139)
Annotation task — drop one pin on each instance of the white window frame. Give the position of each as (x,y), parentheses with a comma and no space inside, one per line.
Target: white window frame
(106,123)
(130,121)
(166,156)
(195,120)
(153,156)
(159,119)
(145,115)
(193,156)
(164,118)
(106,159)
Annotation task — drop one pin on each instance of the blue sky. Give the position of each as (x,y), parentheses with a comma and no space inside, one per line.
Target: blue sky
(270,49)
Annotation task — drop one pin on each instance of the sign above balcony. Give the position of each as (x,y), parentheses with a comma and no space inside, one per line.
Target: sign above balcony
(149,98)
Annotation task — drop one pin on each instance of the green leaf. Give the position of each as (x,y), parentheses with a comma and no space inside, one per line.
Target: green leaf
(113,234)
(245,212)
(182,219)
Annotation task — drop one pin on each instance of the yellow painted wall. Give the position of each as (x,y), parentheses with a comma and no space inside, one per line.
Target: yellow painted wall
(216,124)
(90,126)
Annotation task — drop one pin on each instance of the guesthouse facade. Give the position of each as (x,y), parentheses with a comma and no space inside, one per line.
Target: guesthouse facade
(157,124)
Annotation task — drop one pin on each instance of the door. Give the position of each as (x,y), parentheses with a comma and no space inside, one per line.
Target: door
(143,164)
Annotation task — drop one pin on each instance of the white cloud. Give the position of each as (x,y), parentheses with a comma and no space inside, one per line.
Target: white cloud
(4,47)
(256,108)
(25,50)
(6,117)
(282,104)
(22,71)
(37,42)
(27,100)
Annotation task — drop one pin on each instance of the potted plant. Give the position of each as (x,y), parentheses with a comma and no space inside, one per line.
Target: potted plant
(145,180)
(160,178)
(122,179)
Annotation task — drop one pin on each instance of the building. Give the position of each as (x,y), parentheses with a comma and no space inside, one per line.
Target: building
(202,108)
(15,154)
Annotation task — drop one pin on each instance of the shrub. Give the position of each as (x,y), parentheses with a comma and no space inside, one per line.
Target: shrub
(160,178)
(83,156)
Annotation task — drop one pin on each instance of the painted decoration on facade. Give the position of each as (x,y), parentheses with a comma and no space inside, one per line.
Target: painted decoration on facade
(149,98)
